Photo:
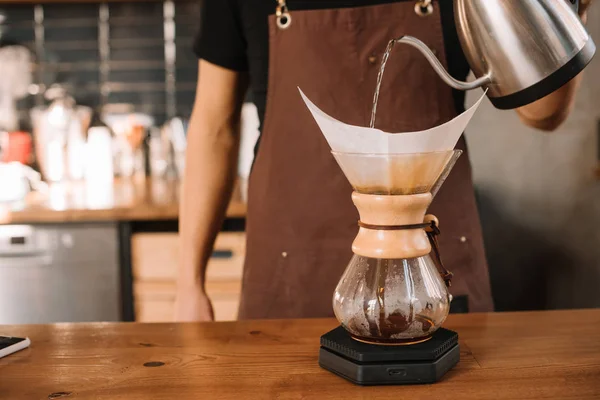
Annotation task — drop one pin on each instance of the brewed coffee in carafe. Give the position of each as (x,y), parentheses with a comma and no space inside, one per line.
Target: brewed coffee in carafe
(391,300)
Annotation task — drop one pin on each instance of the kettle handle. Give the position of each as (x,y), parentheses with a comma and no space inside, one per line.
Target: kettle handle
(574,5)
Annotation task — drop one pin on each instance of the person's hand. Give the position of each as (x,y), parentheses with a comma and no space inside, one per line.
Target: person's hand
(192,304)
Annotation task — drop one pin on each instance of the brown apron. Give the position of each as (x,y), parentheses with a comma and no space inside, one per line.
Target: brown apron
(301,221)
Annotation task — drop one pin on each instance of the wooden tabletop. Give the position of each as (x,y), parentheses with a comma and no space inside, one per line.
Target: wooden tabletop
(126,199)
(533,355)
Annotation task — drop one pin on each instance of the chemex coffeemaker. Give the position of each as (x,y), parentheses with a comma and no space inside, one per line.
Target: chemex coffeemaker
(393,297)
(394,294)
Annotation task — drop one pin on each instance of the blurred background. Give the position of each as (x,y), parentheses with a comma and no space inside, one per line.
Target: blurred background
(94,105)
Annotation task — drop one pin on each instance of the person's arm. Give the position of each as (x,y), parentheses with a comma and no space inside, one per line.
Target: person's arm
(211,165)
(550,112)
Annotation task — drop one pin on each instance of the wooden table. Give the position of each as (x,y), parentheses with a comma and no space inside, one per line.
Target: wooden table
(127,199)
(534,355)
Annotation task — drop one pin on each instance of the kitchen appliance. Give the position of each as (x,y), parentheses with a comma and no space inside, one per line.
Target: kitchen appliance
(99,162)
(17,180)
(158,153)
(15,79)
(393,292)
(519,50)
(99,168)
(15,147)
(174,134)
(130,131)
(59,273)
(59,132)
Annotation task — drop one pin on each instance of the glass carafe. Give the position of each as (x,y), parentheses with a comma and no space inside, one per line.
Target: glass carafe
(392,291)
(391,300)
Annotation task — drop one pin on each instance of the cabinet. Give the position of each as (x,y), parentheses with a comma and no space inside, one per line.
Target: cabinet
(155,261)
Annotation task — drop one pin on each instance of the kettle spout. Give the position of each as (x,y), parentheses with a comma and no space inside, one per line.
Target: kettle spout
(439,68)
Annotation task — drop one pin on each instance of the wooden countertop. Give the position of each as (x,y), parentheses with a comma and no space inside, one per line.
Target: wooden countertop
(145,199)
(533,355)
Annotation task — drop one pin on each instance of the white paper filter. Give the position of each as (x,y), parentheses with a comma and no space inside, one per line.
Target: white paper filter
(359,139)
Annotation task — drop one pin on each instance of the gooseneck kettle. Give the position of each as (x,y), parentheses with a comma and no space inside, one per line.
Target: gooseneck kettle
(519,50)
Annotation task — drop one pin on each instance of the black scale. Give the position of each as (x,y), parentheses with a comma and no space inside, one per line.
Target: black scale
(371,364)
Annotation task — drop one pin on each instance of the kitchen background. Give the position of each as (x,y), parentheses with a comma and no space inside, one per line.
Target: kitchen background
(112,53)
(82,247)
(129,65)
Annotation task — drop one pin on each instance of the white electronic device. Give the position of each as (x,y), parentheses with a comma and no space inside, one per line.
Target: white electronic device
(9,345)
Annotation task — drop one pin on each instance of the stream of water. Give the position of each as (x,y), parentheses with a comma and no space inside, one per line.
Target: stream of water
(384,60)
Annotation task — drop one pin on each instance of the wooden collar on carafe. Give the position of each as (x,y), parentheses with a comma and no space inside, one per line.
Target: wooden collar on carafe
(392,226)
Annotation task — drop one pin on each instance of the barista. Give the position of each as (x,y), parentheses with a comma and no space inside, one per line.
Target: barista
(301,221)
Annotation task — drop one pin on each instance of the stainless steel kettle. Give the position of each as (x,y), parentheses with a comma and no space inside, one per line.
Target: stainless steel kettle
(520,50)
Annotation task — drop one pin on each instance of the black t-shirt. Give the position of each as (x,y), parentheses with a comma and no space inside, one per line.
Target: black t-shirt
(234,34)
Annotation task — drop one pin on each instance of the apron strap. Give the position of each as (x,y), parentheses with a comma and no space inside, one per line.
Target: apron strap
(423,8)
